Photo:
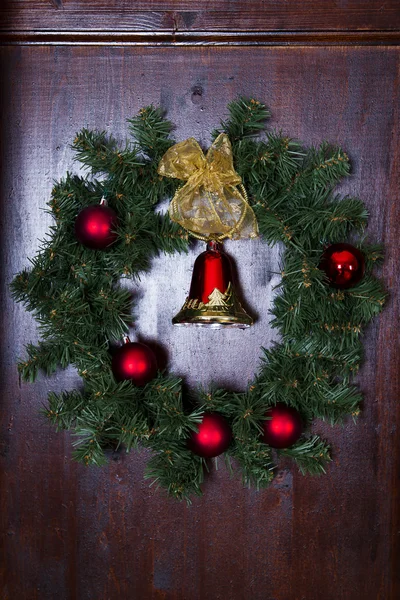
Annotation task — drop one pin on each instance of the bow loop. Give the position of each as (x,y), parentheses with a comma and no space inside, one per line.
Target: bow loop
(220,161)
(183,160)
(209,204)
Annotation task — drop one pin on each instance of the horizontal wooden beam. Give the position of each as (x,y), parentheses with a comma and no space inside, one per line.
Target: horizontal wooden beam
(209,38)
(192,15)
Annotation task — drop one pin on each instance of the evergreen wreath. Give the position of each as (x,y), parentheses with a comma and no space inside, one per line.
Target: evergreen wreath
(75,295)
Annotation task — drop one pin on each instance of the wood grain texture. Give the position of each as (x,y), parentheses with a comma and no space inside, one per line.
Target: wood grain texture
(69,532)
(122,38)
(186,15)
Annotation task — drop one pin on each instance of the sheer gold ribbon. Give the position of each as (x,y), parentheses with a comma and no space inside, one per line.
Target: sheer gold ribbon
(209,205)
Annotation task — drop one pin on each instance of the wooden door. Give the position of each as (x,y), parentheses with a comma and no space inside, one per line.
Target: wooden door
(327,72)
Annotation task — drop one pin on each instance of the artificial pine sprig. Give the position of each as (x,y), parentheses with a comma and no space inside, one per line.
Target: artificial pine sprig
(311,455)
(75,295)
(152,132)
(247,117)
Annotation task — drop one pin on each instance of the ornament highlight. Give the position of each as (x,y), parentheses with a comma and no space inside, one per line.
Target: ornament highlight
(343,264)
(212,438)
(95,225)
(283,426)
(134,361)
(212,301)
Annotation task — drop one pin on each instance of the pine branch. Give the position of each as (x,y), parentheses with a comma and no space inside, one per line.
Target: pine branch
(326,165)
(134,430)
(177,470)
(63,409)
(311,456)
(254,458)
(332,221)
(170,236)
(164,400)
(247,117)
(151,131)
(46,356)
(94,149)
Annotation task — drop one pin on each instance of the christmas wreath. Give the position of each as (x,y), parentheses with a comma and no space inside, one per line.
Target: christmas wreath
(107,228)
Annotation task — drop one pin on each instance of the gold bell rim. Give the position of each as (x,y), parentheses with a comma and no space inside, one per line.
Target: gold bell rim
(212,321)
(222,310)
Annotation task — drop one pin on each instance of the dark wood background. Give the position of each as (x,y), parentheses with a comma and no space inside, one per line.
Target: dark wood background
(327,72)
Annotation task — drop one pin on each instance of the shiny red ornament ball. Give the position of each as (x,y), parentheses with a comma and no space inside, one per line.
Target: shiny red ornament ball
(283,426)
(212,438)
(343,264)
(95,226)
(136,362)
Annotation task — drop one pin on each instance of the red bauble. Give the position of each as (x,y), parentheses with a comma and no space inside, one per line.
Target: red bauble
(283,426)
(343,264)
(213,437)
(95,225)
(136,362)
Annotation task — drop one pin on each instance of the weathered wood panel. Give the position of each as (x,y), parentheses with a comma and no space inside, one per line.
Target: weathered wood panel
(76,533)
(187,15)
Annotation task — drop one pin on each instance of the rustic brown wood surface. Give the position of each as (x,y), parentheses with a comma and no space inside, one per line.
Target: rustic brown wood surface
(178,15)
(70,532)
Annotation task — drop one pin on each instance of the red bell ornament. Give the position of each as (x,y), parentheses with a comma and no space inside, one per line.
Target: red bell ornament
(343,264)
(283,426)
(212,438)
(134,361)
(95,226)
(212,301)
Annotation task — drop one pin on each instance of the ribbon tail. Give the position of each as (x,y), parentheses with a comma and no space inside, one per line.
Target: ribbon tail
(246,225)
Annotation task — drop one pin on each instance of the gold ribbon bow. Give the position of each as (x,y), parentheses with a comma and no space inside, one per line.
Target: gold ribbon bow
(208,205)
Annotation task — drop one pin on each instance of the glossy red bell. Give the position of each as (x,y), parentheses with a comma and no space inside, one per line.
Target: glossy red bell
(212,301)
